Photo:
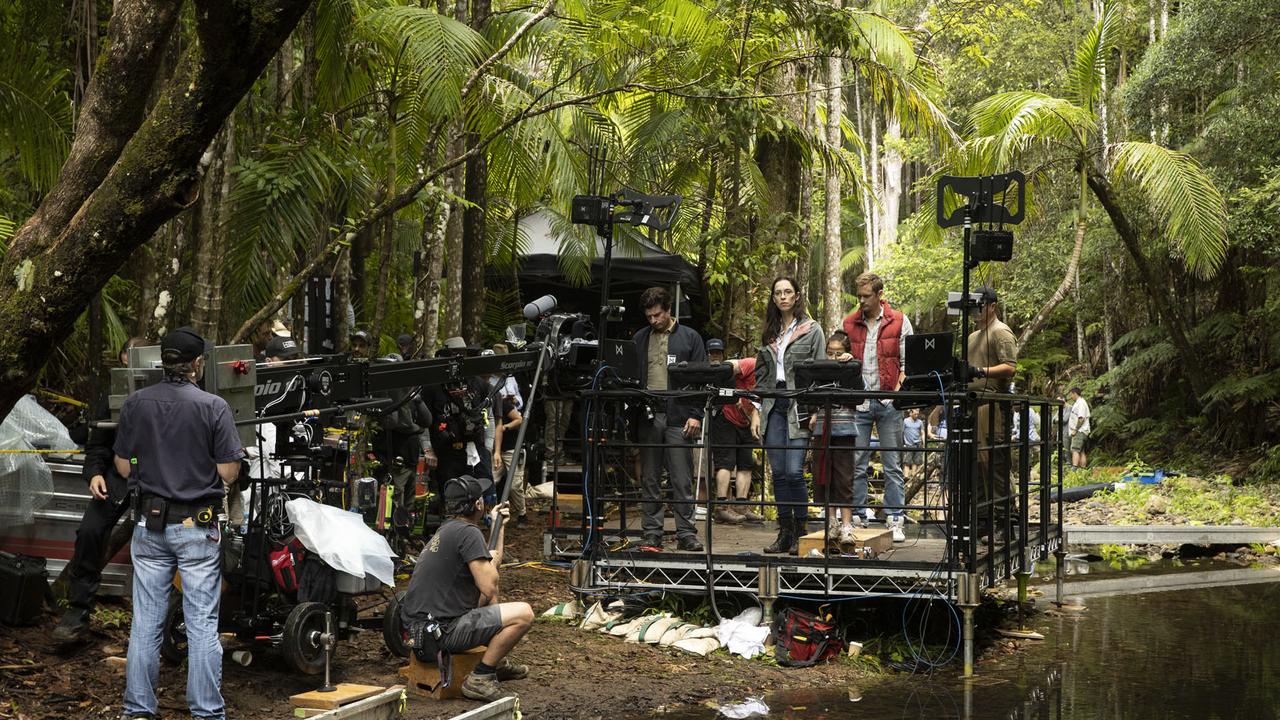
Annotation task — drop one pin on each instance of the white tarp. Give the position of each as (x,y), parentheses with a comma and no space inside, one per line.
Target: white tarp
(342,540)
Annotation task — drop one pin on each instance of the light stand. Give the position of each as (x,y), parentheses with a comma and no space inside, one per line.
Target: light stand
(994,244)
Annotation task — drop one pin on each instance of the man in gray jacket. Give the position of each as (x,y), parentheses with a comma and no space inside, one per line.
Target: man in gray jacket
(671,426)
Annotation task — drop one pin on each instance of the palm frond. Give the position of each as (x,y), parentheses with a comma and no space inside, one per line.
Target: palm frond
(1183,198)
(1014,119)
(35,114)
(1091,55)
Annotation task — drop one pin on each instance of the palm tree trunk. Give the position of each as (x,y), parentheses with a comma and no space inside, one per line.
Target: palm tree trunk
(890,188)
(1168,312)
(832,245)
(1070,278)
(474,235)
(454,181)
(388,227)
(1081,355)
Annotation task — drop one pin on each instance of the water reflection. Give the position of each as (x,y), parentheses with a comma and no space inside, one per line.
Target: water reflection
(1202,654)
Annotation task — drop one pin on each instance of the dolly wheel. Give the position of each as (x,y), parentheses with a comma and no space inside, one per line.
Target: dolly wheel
(173,636)
(300,642)
(393,628)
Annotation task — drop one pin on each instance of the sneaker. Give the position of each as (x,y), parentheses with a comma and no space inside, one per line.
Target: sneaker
(894,523)
(846,534)
(508,670)
(482,687)
(870,515)
(73,627)
(751,516)
(689,543)
(725,515)
(857,521)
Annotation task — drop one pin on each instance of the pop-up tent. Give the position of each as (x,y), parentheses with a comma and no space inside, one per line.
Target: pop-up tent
(637,264)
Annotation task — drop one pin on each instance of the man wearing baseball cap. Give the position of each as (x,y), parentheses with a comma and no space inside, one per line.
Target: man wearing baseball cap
(282,347)
(993,361)
(179,449)
(455,584)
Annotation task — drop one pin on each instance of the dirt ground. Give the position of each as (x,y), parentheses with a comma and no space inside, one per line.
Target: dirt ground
(574,674)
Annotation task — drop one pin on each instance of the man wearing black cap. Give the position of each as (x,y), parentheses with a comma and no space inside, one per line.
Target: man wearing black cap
(360,345)
(404,341)
(993,361)
(455,584)
(179,449)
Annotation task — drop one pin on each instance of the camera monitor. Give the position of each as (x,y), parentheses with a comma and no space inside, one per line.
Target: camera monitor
(928,353)
(847,375)
(623,357)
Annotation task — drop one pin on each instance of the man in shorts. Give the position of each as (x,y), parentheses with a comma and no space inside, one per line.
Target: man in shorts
(455,584)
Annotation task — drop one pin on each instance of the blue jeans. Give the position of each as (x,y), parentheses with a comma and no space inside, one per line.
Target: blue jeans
(156,555)
(787,462)
(888,422)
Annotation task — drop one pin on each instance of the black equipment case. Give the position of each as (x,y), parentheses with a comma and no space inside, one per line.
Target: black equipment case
(23,584)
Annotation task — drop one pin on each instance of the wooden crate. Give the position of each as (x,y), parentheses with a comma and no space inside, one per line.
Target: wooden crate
(343,694)
(423,679)
(877,540)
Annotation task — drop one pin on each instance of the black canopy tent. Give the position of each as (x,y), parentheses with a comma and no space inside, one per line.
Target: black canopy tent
(637,264)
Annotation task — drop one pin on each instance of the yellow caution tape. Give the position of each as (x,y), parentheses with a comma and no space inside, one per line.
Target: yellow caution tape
(39,452)
(61,398)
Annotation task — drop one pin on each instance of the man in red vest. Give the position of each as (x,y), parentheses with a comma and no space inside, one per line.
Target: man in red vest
(876,333)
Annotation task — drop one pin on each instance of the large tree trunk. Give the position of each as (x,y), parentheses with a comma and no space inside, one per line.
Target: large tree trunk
(129,170)
(454,182)
(434,222)
(206,301)
(388,234)
(890,193)
(833,247)
(474,237)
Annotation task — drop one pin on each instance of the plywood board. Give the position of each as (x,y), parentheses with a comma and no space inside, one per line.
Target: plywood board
(345,693)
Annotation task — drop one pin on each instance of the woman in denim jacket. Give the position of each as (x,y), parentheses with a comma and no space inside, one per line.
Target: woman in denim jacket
(790,336)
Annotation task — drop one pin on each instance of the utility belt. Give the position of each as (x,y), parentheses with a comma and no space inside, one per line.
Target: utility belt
(157,512)
(424,641)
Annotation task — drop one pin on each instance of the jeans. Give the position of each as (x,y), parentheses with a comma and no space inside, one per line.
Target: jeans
(786,460)
(888,422)
(156,555)
(679,463)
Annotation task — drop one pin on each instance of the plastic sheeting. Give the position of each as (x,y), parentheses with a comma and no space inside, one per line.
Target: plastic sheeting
(743,634)
(26,483)
(342,540)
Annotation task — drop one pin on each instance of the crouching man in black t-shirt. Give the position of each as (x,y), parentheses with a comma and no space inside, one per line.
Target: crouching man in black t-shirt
(455,585)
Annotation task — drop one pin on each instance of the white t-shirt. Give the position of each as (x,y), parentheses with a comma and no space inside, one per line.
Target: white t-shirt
(1079,409)
(784,339)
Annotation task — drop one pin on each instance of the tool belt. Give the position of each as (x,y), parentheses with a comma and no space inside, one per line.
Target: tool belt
(157,512)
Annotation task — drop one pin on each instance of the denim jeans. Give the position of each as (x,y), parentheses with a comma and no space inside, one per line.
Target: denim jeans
(786,460)
(888,422)
(156,555)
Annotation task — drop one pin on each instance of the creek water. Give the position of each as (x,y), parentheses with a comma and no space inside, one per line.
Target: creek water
(1204,654)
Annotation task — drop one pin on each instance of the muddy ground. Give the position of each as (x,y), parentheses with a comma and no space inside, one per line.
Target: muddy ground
(575,674)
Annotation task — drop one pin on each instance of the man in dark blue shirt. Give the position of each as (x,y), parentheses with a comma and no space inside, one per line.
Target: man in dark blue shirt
(179,449)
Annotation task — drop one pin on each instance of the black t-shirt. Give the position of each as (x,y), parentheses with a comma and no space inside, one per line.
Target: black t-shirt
(442,584)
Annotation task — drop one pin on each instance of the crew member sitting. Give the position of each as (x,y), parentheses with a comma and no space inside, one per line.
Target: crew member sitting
(455,584)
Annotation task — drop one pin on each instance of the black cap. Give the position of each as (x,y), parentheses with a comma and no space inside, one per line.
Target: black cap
(404,340)
(715,344)
(465,488)
(283,347)
(987,295)
(183,345)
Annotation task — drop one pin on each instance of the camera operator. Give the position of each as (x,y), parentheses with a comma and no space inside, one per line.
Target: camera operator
(179,449)
(993,358)
(674,424)
(455,584)
(457,421)
(110,495)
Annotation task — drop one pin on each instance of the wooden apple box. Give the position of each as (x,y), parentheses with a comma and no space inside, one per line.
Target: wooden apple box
(878,540)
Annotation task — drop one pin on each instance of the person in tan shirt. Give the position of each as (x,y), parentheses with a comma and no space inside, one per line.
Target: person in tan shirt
(993,360)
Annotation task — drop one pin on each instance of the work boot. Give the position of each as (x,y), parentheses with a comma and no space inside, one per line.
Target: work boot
(846,534)
(482,687)
(508,670)
(725,515)
(73,627)
(749,515)
(689,543)
(784,541)
(799,528)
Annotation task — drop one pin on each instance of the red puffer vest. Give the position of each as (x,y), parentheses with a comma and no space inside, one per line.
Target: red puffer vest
(888,354)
